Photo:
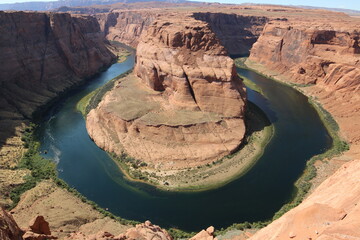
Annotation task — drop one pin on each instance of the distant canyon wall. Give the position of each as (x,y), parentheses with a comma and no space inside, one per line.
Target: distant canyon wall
(311,54)
(237,33)
(125,26)
(41,55)
(326,57)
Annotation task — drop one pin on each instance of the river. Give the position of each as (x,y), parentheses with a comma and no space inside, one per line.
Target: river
(299,135)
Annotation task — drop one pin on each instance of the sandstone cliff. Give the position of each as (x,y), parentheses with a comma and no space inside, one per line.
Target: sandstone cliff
(237,33)
(325,56)
(187,106)
(42,54)
(125,26)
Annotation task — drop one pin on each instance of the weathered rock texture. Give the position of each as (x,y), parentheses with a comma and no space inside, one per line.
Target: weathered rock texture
(43,54)
(184,58)
(321,54)
(144,231)
(331,212)
(237,33)
(125,26)
(9,230)
(190,105)
(64,212)
(324,54)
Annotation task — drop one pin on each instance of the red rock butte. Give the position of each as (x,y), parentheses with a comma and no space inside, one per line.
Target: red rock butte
(186,104)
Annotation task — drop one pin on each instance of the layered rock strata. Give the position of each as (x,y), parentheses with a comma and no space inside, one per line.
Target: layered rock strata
(125,26)
(237,33)
(42,54)
(325,57)
(186,103)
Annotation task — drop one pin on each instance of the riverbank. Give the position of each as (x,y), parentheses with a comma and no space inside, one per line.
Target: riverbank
(339,145)
(209,176)
(199,178)
(31,186)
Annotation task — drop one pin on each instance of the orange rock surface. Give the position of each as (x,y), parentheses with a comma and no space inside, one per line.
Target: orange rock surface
(193,102)
(325,54)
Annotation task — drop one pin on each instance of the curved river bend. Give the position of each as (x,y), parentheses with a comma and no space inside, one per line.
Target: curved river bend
(299,134)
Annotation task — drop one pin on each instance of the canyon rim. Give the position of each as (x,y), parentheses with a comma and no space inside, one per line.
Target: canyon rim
(183,82)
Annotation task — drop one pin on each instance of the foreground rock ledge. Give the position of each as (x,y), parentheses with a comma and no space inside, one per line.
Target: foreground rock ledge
(182,107)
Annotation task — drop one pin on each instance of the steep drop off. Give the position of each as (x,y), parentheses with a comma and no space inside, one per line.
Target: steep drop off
(237,33)
(323,55)
(125,26)
(185,108)
(42,54)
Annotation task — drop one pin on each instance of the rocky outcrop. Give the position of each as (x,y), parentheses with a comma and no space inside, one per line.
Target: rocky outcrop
(330,212)
(207,234)
(185,108)
(144,231)
(237,33)
(43,54)
(324,55)
(185,59)
(9,230)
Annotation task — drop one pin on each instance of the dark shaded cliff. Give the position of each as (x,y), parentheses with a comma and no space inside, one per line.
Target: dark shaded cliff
(236,32)
(41,55)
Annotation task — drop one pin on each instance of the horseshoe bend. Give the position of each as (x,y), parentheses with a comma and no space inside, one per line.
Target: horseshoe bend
(186,117)
(184,104)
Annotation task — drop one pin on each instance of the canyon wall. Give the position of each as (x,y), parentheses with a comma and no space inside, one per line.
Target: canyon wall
(43,54)
(323,57)
(125,26)
(187,102)
(237,33)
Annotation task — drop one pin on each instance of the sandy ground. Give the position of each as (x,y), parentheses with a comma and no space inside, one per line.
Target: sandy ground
(64,212)
(10,178)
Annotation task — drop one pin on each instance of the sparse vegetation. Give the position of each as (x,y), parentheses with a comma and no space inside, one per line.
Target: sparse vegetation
(92,100)
(303,184)
(43,169)
(250,84)
(210,175)
(180,234)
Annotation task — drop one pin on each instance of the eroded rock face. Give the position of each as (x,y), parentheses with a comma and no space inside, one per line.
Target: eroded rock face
(185,59)
(311,53)
(9,230)
(236,32)
(324,55)
(42,54)
(144,231)
(125,26)
(187,103)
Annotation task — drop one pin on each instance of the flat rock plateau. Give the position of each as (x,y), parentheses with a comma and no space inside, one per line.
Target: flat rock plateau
(42,54)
